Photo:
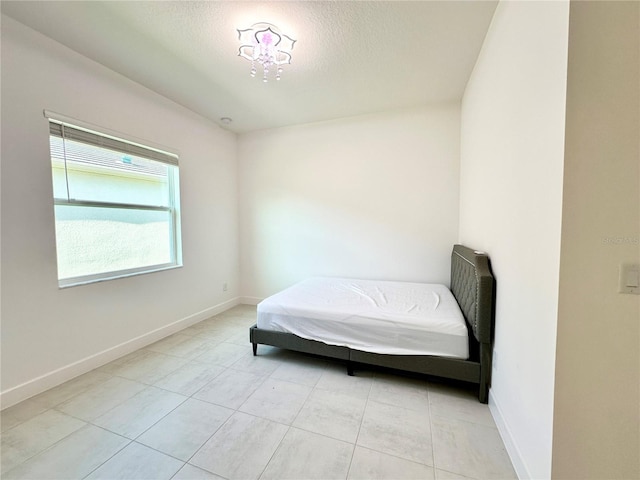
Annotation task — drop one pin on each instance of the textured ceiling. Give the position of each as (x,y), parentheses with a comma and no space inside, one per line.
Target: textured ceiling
(351,57)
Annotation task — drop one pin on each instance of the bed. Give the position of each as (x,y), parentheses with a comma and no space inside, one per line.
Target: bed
(421,328)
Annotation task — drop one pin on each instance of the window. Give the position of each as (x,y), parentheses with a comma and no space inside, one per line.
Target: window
(116,206)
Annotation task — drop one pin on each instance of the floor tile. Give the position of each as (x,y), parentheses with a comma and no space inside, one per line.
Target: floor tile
(210,330)
(190,378)
(183,431)
(246,320)
(73,457)
(19,413)
(274,353)
(235,326)
(302,370)
(230,389)
(259,365)
(73,387)
(459,403)
(221,320)
(149,367)
(112,367)
(137,462)
(241,313)
(371,465)
(179,345)
(240,338)
(137,414)
(470,449)
(334,378)
(167,343)
(189,472)
(97,400)
(35,435)
(401,391)
(277,400)
(397,431)
(224,354)
(444,475)
(280,414)
(241,448)
(333,414)
(310,456)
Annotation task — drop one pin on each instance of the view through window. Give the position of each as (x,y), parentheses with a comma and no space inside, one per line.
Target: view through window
(116,206)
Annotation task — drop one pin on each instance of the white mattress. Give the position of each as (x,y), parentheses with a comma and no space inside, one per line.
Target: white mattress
(394,318)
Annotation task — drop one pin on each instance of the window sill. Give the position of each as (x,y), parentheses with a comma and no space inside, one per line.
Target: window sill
(75,282)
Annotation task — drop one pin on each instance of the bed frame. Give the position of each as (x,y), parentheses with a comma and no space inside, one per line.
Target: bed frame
(473,286)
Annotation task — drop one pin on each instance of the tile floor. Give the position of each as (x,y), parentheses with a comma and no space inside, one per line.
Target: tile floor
(198,405)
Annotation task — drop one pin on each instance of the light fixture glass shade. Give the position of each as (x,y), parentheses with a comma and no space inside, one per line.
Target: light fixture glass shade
(263,44)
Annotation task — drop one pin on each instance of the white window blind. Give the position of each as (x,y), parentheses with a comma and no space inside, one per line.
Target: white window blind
(87,137)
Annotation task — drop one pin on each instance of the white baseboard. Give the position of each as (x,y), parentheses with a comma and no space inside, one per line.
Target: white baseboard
(56,377)
(250,300)
(512,448)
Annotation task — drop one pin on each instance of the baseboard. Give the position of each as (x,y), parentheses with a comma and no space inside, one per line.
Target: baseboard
(512,448)
(250,300)
(52,379)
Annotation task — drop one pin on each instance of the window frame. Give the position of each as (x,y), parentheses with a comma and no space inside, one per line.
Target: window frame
(140,149)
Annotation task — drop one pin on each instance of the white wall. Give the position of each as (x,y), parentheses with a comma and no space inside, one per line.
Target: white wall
(49,334)
(370,197)
(510,206)
(597,398)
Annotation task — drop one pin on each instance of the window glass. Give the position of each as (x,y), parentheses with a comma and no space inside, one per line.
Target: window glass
(116,213)
(96,240)
(101,174)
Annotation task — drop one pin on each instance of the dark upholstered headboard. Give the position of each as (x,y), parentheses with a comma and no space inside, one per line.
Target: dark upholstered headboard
(472,284)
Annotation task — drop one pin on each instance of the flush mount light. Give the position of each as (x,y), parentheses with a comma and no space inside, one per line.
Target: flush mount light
(264,44)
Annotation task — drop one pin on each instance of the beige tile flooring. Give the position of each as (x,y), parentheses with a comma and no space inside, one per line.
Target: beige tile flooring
(199,405)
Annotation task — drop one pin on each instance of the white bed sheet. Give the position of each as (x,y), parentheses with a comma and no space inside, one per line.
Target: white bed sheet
(396,318)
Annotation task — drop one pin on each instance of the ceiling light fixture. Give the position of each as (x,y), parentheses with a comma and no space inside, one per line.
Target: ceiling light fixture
(266,45)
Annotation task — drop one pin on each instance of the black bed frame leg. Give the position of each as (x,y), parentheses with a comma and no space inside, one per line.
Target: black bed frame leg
(485,372)
(483,394)
(255,349)
(350,369)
